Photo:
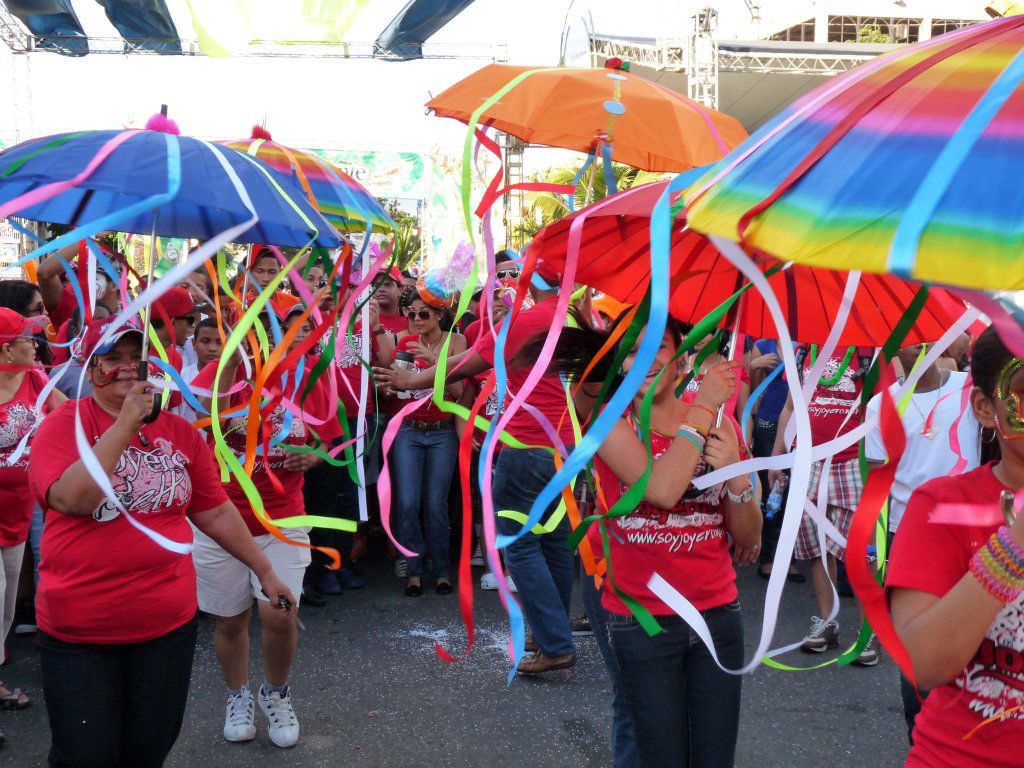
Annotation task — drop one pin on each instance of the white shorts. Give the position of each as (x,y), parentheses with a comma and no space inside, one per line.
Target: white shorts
(226,586)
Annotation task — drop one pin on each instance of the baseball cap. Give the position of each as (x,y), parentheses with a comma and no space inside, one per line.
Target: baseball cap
(12,324)
(176,302)
(95,331)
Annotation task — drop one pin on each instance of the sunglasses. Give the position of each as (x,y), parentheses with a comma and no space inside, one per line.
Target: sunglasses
(190,319)
(423,314)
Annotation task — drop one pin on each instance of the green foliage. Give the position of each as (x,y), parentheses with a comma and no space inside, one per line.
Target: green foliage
(544,208)
(872,33)
(408,243)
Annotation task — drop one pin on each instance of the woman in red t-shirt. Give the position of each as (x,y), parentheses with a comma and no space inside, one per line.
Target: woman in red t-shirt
(117,611)
(684,707)
(20,387)
(425,449)
(956,589)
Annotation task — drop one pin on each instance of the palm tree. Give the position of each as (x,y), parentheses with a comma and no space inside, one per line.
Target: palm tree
(543,208)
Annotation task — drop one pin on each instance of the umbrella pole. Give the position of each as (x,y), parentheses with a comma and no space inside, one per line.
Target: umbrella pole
(147,321)
(728,356)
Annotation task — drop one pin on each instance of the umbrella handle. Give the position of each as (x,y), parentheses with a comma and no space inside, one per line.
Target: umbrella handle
(144,376)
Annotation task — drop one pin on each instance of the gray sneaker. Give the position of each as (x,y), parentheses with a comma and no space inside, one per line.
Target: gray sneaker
(400,567)
(870,656)
(823,635)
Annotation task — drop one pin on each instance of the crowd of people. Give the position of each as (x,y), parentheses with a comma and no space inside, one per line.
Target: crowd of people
(116,667)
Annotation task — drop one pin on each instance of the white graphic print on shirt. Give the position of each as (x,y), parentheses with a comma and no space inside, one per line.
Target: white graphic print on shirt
(21,420)
(148,480)
(995,675)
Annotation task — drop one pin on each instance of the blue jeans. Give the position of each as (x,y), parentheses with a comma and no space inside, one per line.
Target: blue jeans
(35,537)
(686,710)
(540,565)
(423,464)
(624,748)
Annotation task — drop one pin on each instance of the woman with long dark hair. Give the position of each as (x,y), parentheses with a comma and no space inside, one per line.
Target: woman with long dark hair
(956,589)
(684,707)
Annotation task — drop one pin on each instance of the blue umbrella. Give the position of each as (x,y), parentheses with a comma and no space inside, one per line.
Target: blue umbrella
(147,163)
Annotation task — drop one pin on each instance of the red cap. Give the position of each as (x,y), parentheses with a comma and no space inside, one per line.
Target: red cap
(12,325)
(176,302)
(95,332)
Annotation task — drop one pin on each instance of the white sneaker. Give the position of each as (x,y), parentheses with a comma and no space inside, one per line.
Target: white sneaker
(284,726)
(477,558)
(240,716)
(489,582)
(400,567)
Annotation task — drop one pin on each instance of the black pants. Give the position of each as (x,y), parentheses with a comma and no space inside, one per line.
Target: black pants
(116,705)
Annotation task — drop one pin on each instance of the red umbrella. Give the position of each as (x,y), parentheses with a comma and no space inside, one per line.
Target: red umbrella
(615,254)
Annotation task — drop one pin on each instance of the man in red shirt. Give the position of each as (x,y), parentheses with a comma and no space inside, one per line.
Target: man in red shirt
(834,410)
(387,289)
(540,565)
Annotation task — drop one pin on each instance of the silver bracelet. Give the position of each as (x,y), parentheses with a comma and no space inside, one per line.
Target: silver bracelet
(741,498)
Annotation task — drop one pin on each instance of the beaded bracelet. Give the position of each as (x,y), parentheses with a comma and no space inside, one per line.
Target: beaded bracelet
(990,566)
(1010,543)
(702,431)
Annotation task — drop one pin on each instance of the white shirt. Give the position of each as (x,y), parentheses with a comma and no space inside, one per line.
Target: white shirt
(927,458)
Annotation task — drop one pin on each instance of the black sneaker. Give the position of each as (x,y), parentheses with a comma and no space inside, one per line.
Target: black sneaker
(312,598)
(823,635)
(581,626)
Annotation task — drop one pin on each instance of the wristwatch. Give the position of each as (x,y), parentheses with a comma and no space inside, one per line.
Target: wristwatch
(741,498)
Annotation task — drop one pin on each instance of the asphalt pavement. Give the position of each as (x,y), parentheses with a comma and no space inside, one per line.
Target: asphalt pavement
(370,691)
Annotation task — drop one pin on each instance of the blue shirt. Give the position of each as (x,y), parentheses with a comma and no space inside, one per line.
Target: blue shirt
(774,398)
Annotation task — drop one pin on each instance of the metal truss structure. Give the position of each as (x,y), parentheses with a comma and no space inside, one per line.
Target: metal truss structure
(673,55)
(21,41)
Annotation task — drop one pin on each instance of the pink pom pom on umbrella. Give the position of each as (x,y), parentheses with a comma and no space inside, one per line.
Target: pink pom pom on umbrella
(259,132)
(162,124)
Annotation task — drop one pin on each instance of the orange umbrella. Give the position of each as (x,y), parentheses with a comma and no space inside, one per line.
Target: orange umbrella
(649,126)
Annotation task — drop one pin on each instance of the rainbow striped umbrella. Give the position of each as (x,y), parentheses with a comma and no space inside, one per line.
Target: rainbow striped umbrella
(341,200)
(909,164)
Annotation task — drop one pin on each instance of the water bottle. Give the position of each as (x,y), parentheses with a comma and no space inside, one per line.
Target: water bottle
(406,361)
(774,502)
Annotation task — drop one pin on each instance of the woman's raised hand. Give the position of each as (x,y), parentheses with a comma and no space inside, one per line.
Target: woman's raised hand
(718,385)
(137,406)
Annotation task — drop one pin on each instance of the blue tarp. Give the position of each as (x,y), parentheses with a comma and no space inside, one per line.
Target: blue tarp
(404,37)
(56,22)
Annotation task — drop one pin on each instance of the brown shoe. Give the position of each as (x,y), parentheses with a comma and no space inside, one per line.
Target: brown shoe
(531,646)
(541,662)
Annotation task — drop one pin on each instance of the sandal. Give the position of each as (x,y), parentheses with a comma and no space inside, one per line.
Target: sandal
(16,699)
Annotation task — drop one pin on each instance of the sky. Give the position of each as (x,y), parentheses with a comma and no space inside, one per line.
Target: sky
(328,103)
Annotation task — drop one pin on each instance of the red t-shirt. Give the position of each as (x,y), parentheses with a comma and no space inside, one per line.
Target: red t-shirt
(493,405)
(828,406)
(395,323)
(18,417)
(65,307)
(688,544)
(429,411)
(101,580)
(61,353)
(933,557)
(288,501)
(548,396)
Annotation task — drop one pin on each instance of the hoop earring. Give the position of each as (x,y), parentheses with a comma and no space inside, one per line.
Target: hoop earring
(990,439)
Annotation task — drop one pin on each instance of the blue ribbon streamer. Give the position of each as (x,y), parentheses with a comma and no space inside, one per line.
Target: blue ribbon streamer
(661,222)
(571,197)
(609,170)
(922,207)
